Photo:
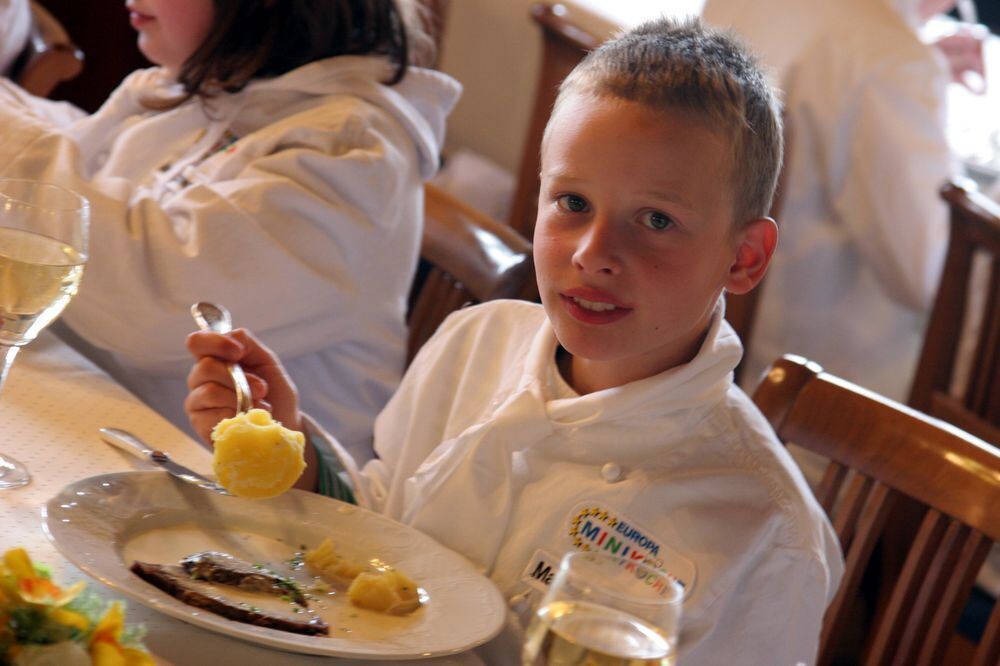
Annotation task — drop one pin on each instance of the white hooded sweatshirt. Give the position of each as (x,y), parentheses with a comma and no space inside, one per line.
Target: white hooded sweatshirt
(480,450)
(297,203)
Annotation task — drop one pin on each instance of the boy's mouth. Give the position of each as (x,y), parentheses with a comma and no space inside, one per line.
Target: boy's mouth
(596,306)
(593,307)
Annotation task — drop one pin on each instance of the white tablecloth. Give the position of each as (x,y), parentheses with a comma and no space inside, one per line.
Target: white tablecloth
(53,404)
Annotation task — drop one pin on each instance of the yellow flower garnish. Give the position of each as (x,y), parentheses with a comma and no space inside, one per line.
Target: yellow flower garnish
(28,595)
(33,588)
(18,563)
(70,618)
(105,649)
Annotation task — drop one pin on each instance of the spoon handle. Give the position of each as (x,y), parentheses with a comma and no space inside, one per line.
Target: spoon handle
(212,317)
(244,398)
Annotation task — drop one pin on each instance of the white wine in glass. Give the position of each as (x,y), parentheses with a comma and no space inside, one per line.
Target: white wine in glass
(602,610)
(43,249)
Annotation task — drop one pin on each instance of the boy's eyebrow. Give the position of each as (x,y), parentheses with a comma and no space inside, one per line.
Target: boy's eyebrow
(668,194)
(557,174)
(671,196)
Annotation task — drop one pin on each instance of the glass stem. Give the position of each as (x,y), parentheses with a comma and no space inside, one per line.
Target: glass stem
(8,353)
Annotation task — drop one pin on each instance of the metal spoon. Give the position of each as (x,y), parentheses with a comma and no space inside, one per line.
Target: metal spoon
(211,317)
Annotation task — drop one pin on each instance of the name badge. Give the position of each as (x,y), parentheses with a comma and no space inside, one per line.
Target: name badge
(541,569)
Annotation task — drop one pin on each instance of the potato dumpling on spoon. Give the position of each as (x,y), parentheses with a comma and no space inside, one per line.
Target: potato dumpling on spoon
(255,456)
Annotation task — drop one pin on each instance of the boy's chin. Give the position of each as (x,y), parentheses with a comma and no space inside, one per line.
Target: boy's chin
(590,351)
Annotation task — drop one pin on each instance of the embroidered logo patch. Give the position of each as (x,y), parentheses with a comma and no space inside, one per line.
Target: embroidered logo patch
(594,527)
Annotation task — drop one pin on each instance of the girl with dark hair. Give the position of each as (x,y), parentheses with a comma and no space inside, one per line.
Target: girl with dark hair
(272,162)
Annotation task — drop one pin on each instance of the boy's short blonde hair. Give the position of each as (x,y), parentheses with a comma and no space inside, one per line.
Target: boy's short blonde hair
(685,66)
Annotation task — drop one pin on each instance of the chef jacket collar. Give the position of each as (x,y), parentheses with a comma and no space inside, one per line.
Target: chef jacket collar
(703,381)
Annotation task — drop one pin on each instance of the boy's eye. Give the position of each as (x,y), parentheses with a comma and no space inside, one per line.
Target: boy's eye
(572,203)
(654,219)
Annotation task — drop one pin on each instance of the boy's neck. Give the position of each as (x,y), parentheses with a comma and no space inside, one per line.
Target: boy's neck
(589,376)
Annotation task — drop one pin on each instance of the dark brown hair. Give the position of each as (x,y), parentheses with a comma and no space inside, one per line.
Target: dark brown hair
(266,38)
(670,65)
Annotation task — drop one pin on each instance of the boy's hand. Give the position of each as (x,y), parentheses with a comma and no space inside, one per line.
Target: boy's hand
(211,396)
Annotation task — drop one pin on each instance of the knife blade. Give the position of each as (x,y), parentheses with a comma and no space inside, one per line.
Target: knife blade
(126,441)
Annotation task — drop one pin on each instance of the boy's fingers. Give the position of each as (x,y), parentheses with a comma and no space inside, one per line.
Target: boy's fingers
(258,387)
(206,343)
(205,415)
(210,396)
(205,421)
(257,353)
(208,370)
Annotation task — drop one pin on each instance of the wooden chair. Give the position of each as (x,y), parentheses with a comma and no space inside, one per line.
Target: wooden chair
(975,405)
(881,452)
(472,258)
(49,58)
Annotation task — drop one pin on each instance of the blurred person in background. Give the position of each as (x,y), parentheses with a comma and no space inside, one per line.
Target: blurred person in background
(863,229)
(272,162)
(15,25)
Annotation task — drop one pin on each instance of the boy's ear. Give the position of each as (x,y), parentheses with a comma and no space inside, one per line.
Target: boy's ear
(756,242)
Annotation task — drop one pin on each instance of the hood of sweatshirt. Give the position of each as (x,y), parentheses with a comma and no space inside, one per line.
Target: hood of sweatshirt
(420,103)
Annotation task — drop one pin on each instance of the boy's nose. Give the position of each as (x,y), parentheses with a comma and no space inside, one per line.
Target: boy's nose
(597,249)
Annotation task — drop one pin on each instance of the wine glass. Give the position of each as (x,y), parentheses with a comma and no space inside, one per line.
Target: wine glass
(603,610)
(43,248)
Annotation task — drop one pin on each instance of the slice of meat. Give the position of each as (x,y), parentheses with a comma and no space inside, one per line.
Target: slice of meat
(173,580)
(225,569)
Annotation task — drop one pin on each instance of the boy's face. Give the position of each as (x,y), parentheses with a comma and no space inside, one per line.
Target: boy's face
(634,240)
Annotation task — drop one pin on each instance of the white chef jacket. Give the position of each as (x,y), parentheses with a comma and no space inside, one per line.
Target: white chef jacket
(863,230)
(297,203)
(680,469)
(15,26)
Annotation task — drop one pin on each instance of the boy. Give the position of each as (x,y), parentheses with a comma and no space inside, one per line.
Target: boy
(608,420)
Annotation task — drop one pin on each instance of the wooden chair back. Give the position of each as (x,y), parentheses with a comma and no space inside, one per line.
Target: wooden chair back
(974,405)
(881,452)
(472,257)
(50,56)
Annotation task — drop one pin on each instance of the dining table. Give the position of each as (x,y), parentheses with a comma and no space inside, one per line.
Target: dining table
(51,408)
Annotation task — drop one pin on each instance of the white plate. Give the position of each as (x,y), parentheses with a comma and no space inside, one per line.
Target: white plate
(103,523)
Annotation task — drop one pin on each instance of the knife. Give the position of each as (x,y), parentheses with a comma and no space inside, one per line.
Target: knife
(126,441)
